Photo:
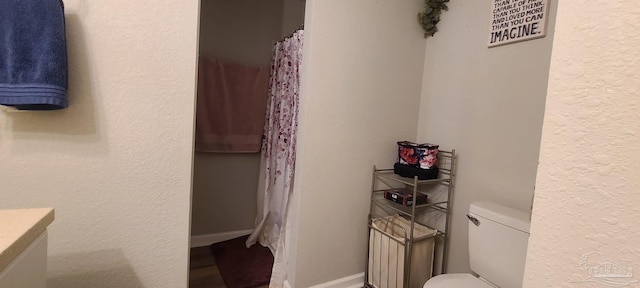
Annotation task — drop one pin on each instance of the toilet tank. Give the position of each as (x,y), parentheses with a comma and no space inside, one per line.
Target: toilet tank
(498,243)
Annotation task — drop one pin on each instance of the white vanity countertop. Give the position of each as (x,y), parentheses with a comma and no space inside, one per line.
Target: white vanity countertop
(18,228)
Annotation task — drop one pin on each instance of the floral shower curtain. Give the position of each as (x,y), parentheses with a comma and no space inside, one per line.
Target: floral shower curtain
(279,152)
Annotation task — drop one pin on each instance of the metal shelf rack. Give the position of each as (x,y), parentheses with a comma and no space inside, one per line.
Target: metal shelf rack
(435,214)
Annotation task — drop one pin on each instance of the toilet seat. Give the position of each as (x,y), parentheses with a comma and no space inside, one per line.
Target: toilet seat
(457,280)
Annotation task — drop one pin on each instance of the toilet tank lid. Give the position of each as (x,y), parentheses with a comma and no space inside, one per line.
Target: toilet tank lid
(508,216)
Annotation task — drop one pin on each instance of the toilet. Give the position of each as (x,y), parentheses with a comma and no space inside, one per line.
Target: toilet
(498,237)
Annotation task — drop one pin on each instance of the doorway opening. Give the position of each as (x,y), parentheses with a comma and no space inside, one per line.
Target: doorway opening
(224,203)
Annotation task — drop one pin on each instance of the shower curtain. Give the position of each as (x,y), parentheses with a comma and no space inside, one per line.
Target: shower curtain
(279,152)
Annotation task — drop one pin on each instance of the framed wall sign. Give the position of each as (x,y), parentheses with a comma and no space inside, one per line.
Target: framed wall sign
(517,20)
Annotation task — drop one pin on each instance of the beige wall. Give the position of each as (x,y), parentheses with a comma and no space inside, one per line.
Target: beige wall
(292,16)
(587,187)
(225,185)
(116,165)
(362,76)
(240,30)
(224,192)
(488,104)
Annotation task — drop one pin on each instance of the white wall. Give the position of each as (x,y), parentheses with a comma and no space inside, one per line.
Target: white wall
(116,165)
(362,76)
(587,186)
(225,185)
(488,104)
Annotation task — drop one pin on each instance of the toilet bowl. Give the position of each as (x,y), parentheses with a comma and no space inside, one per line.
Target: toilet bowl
(498,237)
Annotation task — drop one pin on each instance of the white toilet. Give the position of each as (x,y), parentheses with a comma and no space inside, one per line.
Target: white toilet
(498,237)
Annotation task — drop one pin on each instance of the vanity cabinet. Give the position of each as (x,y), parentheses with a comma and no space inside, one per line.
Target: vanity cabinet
(23,247)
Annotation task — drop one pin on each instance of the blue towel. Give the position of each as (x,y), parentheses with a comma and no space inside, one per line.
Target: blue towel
(33,55)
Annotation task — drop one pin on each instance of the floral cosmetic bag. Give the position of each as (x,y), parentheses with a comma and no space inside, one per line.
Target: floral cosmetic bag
(424,156)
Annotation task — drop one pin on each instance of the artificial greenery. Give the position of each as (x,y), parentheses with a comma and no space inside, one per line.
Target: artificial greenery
(431,16)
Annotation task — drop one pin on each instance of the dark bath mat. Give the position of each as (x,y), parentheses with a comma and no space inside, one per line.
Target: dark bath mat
(242,267)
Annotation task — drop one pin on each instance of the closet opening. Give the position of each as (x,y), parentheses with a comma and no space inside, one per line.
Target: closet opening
(237,42)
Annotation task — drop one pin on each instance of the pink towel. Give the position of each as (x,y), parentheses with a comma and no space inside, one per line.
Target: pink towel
(232,101)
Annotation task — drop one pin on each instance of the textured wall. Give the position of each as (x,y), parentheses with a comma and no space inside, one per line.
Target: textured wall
(362,76)
(116,165)
(587,195)
(488,104)
(225,185)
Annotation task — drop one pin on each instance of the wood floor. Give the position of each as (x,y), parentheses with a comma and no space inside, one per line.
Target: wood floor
(203,272)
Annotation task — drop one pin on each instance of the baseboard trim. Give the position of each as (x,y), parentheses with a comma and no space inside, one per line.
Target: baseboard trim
(353,281)
(208,239)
